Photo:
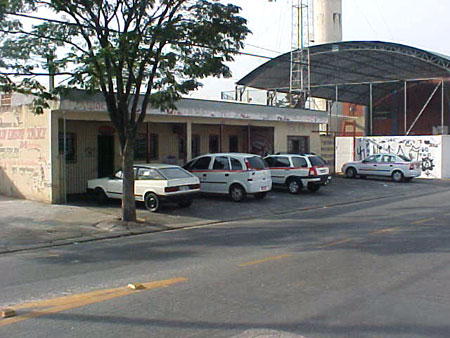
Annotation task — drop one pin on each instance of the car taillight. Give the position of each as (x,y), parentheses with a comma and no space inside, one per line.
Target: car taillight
(247,164)
(312,171)
(194,186)
(411,166)
(171,189)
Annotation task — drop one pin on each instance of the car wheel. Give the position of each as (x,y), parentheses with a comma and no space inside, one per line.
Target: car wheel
(350,172)
(101,196)
(313,187)
(185,204)
(237,193)
(397,176)
(260,195)
(294,186)
(151,202)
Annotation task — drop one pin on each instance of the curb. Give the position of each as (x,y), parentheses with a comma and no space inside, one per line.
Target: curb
(137,232)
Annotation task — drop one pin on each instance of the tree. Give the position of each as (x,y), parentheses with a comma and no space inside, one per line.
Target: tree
(137,53)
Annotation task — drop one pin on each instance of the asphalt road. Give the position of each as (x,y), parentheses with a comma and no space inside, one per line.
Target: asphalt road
(376,268)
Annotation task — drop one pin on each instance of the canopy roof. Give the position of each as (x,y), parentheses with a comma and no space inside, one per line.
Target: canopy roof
(351,66)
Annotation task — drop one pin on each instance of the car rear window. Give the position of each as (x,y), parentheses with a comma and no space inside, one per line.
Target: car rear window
(172,173)
(404,158)
(317,161)
(256,162)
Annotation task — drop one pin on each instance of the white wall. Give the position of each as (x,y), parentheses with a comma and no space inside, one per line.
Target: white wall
(344,152)
(446,156)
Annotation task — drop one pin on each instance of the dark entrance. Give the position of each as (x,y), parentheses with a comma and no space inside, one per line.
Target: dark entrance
(105,155)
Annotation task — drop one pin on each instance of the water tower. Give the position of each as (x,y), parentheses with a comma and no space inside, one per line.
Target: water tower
(327,21)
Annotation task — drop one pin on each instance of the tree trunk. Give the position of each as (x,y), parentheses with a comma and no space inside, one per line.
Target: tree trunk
(128,200)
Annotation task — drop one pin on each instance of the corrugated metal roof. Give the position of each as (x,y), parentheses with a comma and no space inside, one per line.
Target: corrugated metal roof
(351,65)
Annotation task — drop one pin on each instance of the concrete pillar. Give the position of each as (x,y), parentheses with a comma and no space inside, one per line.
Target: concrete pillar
(188,141)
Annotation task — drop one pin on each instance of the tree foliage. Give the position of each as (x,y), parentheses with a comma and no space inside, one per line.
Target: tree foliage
(138,53)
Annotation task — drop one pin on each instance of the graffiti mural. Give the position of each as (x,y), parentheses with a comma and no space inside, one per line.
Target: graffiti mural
(425,149)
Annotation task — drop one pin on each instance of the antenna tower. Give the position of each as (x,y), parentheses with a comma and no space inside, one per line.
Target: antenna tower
(302,36)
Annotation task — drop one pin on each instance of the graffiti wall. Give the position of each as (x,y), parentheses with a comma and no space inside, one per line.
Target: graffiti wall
(428,150)
(24,154)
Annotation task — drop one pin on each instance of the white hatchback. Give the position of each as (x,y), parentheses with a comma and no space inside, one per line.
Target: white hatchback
(235,174)
(153,184)
(398,167)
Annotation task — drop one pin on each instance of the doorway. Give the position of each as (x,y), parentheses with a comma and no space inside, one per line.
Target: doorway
(105,156)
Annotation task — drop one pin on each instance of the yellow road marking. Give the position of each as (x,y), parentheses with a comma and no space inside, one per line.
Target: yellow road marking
(382,231)
(75,301)
(334,243)
(267,259)
(423,220)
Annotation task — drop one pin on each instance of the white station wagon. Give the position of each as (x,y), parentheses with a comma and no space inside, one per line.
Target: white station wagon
(297,171)
(234,174)
(398,167)
(153,184)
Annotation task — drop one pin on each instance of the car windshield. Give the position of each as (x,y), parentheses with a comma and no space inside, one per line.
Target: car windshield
(317,161)
(404,158)
(256,162)
(174,172)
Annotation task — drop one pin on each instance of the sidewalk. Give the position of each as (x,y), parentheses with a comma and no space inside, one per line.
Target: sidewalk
(27,225)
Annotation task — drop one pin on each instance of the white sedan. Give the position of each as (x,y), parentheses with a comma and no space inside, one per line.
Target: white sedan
(398,167)
(153,183)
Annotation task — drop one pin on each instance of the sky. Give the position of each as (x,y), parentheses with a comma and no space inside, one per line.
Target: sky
(423,24)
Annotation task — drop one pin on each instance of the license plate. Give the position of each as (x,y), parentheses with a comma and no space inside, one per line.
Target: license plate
(263,188)
(184,188)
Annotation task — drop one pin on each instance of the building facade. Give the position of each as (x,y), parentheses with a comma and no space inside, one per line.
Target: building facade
(47,157)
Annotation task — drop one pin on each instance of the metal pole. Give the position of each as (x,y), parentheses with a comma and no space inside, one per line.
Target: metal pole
(337,110)
(65,158)
(442,107)
(371,109)
(405,108)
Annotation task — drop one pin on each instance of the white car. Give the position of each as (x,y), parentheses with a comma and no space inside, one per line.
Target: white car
(153,184)
(235,174)
(398,167)
(297,171)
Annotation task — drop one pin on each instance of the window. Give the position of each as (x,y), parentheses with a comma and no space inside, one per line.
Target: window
(5,100)
(298,144)
(195,145)
(154,147)
(140,147)
(235,164)
(299,162)
(404,158)
(256,162)
(373,158)
(281,162)
(118,175)
(202,163)
(148,174)
(221,163)
(142,151)
(234,143)
(174,173)
(70,146)
(213,143)
(316,161)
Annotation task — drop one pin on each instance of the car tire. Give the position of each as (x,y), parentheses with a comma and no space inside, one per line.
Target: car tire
(101,196)
(151,202)
(350,172)
(260,195)
(185,204)
(237,193)
(397,176)
(294,186)
(313,187)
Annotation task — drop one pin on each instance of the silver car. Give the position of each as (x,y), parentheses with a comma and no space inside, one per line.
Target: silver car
(398,167)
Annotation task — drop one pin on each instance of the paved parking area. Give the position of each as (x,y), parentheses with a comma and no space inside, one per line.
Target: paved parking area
(213,208)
